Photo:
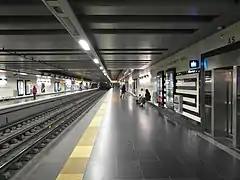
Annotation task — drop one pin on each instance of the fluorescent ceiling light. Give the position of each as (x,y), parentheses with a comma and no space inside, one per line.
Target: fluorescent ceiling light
(24,74)
(101,67)
(95,60)
(84,45)
(2,70)
(104,71)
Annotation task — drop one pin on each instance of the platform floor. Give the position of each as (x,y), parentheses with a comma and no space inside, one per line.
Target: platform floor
(138,143)
(28,99)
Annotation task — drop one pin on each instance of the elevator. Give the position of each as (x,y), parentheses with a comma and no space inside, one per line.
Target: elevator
(220,94)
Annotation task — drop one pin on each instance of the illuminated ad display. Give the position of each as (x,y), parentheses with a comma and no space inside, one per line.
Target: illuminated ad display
(170,88)
(160,87)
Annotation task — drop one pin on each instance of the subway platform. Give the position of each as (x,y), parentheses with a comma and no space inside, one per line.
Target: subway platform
(119,140)
(15,101)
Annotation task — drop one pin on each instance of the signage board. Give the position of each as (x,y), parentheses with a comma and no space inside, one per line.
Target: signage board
(193,64)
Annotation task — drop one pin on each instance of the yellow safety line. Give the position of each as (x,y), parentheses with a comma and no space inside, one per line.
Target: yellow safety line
(76,164)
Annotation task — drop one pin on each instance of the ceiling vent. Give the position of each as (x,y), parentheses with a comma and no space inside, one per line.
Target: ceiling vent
(69,25)
(58,9)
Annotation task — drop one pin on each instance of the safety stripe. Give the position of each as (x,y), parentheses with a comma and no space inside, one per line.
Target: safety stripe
(76,164)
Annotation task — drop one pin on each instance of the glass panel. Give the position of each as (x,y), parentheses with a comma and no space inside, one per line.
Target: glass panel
(20,87)
(28,87)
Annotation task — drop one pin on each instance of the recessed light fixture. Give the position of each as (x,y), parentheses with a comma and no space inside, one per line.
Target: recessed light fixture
(2,70)
(101,67)
(23,74)
(84,44)
(95,60)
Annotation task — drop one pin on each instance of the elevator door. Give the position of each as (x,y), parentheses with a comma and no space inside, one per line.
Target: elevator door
(223,97)
(228,102)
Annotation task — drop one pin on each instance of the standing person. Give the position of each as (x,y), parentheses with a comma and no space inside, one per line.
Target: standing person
(34,92)
(123,91)
(147,95)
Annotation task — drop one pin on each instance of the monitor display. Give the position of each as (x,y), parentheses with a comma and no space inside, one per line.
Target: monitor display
(20,87)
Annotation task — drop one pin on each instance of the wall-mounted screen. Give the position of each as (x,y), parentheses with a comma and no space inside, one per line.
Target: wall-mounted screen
(56,86)
(3,81)
(20,87)
(170,88)
(43,88)
(28,87)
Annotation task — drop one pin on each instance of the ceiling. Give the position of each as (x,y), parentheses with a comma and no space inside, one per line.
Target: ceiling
(125,34)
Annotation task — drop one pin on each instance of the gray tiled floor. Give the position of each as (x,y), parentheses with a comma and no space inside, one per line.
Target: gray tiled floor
(137,143)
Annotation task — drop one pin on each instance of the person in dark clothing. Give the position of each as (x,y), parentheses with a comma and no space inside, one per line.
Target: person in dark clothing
(123,89)
(34,92)
(146,98)
(147,95)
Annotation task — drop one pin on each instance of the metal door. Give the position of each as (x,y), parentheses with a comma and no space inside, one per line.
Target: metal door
(222,98)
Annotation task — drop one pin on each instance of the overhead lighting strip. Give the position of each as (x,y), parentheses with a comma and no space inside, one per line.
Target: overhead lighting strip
(62,10)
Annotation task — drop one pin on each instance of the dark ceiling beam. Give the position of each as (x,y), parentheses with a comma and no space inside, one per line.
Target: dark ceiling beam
(189,3)
(143,31)
(44,54)
(128,60)
(54,62)
(146,18)
(43,50)
(33,32)
(27,18)
(110,18)
(131,53)
(137,49)
(17,2)
(124,67)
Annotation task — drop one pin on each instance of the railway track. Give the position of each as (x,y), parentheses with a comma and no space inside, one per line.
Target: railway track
(20,143)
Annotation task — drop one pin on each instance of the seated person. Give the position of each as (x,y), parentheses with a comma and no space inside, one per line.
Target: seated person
(146,98)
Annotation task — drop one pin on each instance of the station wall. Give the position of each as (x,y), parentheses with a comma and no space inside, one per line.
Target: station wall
(10,88)
(180,61)
(9,81)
